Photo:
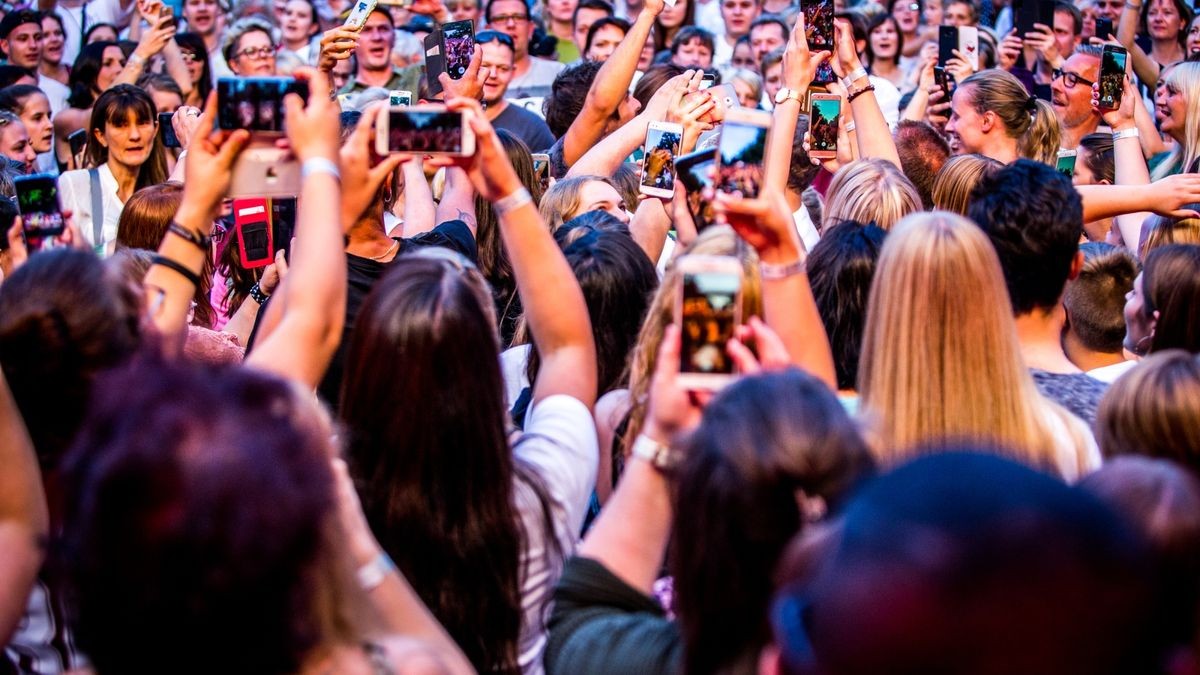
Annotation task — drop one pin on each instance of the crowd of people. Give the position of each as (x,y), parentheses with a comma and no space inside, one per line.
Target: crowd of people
(436,422)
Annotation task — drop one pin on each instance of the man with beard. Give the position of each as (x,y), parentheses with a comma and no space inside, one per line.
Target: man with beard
(497,63)
(1071,95)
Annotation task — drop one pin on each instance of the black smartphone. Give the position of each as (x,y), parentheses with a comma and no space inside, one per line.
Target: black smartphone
(947,43)
(945,80)
(283,223)
(8,215)
(1104,28)
(166,131)
(1026,14)
(1043,92)
(695,172)
(41,214)
(458,43)
(1112,76)
(708,80)
(256,103)
(1045,13)
(818,23)
(77,139)
(435,63)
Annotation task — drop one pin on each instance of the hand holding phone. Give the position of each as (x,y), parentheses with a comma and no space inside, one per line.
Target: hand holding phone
(708,312)
(1112,77)
(823,125)
(41,213)
(358,15)
(658,162)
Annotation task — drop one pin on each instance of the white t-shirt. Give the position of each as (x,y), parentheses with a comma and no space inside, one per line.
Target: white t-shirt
(708,17)
(560,445)
(75,194)
(805,228)
(536,81)
(722,53)
(1110,374)
(98,11)
(56,91)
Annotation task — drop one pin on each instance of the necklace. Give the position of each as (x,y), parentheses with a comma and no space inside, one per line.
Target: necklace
(383,255)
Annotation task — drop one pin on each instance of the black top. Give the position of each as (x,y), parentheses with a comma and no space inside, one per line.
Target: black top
(602,625)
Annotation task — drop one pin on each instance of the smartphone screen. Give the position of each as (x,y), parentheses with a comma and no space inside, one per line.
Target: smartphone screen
(399,97)
(707,318)
(458,42)
(695,172)
(425,131)
(658,165)
(741,149)
(1112,76)
(1066,162)
(255,103)
(37,202)
(947,43)
(1104,28)
(166,131)
(818,23)
(77,139)
(541,169)
(823,126)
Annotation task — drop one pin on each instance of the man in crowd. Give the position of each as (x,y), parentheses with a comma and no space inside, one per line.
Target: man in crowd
(767,33)
(21,42)
(587,12)
(737,16)
(374,55)
(497,63)
(203,17)
(1052,47)
(603,38)
(532,76)
(1071,95)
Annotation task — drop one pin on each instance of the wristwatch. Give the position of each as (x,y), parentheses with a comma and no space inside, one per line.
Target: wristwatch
(785,94)
(659,455)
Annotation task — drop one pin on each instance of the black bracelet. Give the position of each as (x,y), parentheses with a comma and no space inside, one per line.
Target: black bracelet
(860,92)
(201,241)
(183,271)
(256,293)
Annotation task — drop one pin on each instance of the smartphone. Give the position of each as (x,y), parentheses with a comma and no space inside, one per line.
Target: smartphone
(1042,92)
(724,98)
(358,15)
(399,97)
(818,23)
(658,161)
(708,311)
(741,150)
(695,172)
(176,7)
(252,220)
(708,80)
(1104,28)
(945,80)
(41,214)
(1026,14)
(424,129)
(458,42)
(541,169)
(256,103)
(1045,13)
(435,63)
(823,125)
(283,225)
(968,44)
(8,215)
(166,131)
(825,74)
(1112,76)
(263,170)
(77,140)
(1066,162)
(947,43)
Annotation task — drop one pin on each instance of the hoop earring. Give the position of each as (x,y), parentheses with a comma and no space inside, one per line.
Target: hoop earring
(1138,349)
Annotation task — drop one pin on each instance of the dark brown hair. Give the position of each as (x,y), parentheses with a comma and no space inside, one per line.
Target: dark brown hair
(114,107)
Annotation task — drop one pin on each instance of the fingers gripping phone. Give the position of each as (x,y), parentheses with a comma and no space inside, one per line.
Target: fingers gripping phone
(424,129)
(1112,76)
(708,311)
(359,13)
(823,125)
(458,43)
(741,150)
(41,213)
(658,161)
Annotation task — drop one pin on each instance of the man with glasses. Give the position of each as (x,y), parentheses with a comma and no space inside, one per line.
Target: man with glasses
(497,63)
(531,76)
(1071,95)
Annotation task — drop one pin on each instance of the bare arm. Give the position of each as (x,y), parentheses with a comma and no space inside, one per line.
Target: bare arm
(24,518)
(649,228)
(419,209)
(874,137)
(458,200)
(1167,197)
(798,69)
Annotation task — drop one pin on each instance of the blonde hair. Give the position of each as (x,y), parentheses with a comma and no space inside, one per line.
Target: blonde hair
(1044,137)
(1029,120)
(959,175)
(561,202)
(869,191)
(751,79)
(715,240)
(1161,231)
(940,358)
(1151,410)
(1185,78)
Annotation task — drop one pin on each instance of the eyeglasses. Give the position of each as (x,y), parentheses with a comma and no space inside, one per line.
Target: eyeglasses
(509,18)
(1070,79)
(256,53)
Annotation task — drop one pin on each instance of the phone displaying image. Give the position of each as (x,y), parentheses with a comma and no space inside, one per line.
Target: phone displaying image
(818,23)
(256,103)
(1112,76)
(41,214)
(77,140)
(166,132)
(1104,28)
(541,169)
(741,150)
(947,43)
(945,80)
(1066,162)
(709,310)
(458,42)
(823,125)
(694,170)
(358,15)
(968,44)
(435,63)
(425,129)
(658,162)
(708,80)
(825,74)
(399,97)
(263,170)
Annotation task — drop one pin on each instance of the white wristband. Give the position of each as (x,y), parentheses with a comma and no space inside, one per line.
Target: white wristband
(516,200)
(1131,132)
(854,75)
(320,165)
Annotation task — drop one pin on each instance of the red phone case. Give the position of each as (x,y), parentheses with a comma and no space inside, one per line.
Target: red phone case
(248,213)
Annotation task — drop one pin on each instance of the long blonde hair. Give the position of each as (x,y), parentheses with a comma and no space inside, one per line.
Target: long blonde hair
(959,175)
(940,358)
(870,191)
(1185,78)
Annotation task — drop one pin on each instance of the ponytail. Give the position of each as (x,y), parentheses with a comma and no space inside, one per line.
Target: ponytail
(1042,139)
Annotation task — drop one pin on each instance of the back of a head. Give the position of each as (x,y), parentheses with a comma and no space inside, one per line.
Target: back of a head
(1171,287)
(959,175)
(763,440)
(840,269)
(208,535)
(1151,410)
(1095,300)
(965,563)
(567,96)
(653,80)
(562,201)
(147,214)
(64,317)
(1034,219)
(1159,231)
(870,191)
(922,152)
(1000,92)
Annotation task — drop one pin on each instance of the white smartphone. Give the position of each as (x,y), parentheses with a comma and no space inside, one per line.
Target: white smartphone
(968,44)
(358,15)
(425,130)
(724,98)
(399,97)
(708,309)
(658,161)
(741,150)
(264,170)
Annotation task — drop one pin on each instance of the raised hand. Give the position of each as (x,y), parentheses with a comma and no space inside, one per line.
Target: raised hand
(337,44)
(799,65)
(313,130)
(362,172)
(471,83)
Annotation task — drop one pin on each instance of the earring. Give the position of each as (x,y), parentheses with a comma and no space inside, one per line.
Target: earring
(1141,350)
